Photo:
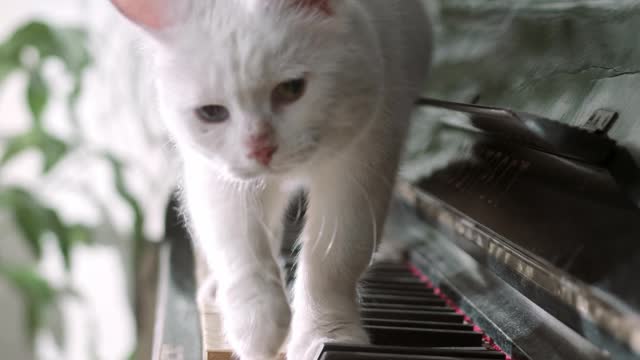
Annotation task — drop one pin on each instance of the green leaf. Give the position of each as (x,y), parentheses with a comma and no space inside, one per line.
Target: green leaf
(65,43)
(65,242)
(18,144)
(53,149)
(32,223)
(33,34)
(69,44)
(36,293)
(35,220)
(30,218)
(80,234)
(72,101)
(118,174)
(37,95)
(8,64)
(67,235)
(73,52)
(139,239)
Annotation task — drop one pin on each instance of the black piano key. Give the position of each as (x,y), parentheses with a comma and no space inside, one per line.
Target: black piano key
(399,273)
(425,293)
(397,280)
(388,274)
(371,356)
(417,324)
(412,280)
(398,336)
(467,354)
(406,320)
(391,266)
(379,274)
(389,269)
(394,286)
(390,278)
(378,313)
(401,300)
(383,273)
(407,307)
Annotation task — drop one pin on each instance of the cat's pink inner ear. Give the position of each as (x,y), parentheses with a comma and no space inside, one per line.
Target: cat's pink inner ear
(151,14)
(322,5)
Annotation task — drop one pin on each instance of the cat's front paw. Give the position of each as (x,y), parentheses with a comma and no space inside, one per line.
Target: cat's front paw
(310,335)
(256,317)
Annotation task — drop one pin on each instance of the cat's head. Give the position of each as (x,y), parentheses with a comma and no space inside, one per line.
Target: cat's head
(258,86)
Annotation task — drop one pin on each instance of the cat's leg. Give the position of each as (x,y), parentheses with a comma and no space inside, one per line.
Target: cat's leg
(231,224)
(348,200)
(273,220)
(275,223)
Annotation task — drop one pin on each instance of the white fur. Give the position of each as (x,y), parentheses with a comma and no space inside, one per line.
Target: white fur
(365,64)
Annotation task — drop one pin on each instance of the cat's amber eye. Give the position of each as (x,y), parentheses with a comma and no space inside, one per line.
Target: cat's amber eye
(212,114)
(289,91)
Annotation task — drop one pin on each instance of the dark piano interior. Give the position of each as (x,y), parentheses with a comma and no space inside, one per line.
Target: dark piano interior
(520,201)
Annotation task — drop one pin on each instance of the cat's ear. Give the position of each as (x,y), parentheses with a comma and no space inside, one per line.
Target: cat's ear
(153,15)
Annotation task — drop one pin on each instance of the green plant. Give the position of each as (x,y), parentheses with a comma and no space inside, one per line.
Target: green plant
(26,51)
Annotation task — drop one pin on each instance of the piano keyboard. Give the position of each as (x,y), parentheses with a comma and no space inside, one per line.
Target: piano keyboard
(406,320)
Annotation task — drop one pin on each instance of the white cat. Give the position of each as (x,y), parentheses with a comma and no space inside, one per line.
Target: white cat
(259,94)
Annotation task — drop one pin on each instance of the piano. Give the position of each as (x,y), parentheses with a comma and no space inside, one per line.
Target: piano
(518,201)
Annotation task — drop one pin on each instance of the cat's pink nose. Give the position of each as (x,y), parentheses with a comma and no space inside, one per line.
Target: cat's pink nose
(262,139)
(261,147)
(263,154)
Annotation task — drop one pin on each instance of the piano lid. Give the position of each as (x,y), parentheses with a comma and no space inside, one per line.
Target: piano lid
(531,197)
(544,177)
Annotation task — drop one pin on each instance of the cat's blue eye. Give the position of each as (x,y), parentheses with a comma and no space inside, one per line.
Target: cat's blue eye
(212,114)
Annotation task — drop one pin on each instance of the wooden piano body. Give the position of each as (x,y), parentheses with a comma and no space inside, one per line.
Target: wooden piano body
(528,226)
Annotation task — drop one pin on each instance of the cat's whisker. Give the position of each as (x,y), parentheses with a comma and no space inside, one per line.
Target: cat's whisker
(365,194)
(372,212)
(333,238)
(260,217)
(300,204)
(319,235)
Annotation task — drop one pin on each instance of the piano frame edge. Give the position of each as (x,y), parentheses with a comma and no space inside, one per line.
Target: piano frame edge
(175,296)
(446,221)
